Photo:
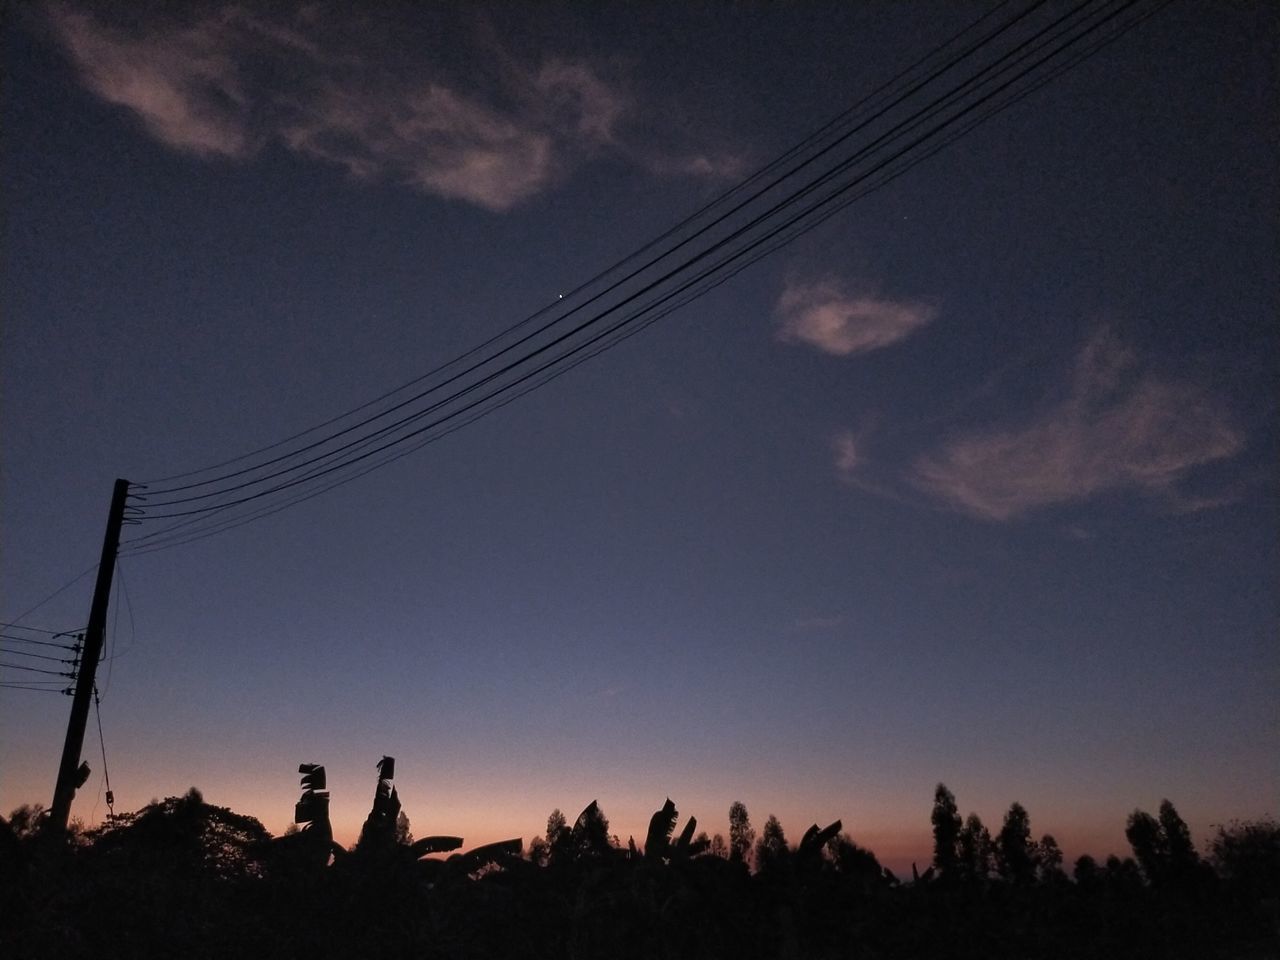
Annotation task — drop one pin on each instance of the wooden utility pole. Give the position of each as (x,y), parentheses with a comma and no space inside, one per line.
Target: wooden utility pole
(68,780)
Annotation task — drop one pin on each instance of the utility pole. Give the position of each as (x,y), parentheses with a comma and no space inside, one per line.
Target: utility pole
(68,779)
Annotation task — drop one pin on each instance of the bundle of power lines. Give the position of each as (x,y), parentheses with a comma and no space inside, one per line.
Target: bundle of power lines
(39,660)
(993,63)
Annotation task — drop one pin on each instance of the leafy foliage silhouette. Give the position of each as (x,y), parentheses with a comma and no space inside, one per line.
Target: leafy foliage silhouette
(182,877)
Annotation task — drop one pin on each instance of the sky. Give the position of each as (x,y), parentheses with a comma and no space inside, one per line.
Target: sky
(973,483)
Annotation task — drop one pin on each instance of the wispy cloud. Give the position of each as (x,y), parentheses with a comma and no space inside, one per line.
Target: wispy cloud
(1116,428)
(844,448)
(724,166)
(225,83)
(827,315)
(178,79)
(433,139)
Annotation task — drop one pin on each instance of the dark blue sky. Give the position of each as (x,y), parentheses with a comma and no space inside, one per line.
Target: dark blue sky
(973,483)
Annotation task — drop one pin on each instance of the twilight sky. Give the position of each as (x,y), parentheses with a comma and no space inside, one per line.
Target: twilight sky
(975,482)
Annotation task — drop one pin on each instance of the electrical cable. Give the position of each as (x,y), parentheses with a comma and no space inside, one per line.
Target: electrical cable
(34,689)
(238,521)
(38,656)
(66,586)
(790,225)
(938,72)
(39,643)
(106,776)
(18,666)
(826,129)
(961,90)
(44,630)
(544,348)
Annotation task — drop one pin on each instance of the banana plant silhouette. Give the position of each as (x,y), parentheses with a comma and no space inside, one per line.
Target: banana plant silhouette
(658,846)
(378,844)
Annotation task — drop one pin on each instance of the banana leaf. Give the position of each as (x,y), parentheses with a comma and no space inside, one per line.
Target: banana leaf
(428,845)
(661,824)
(814,839)
(499,854)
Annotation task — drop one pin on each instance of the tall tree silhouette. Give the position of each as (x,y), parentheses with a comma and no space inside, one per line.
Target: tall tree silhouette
(559,838)
(976,851)
(1048,859)
(1177,839)
(1163,846)
(946,833)
(772,851)
(719,848)
(741,834)
(1147,840)
(1015,854)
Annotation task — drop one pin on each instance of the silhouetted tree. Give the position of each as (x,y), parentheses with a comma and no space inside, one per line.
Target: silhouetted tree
(404,835)
(1015,854)
(946,833)
(772,850)
(719,848)
(1162,846)
(1248,855)
(975,850)
(1048,860)
(741,835)
(1147,841)
(1123,875)
(184,836)
(557,828)
(1086,873)
(856,863)
(25,820)
(539,851)
(1177,841)
(559,837)
(181,879)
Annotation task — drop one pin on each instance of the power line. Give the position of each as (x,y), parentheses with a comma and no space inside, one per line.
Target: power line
(52,673)
(46,632)
(38,656)
(39,643)
(66,586)
(34,689)
(835,198)
(787,225)
(106,777)
(777,181)
(827,129)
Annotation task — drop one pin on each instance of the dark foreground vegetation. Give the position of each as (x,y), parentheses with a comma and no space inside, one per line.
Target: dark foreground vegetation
(181,878)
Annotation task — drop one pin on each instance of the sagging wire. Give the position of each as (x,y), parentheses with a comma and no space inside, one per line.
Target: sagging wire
(106,777)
